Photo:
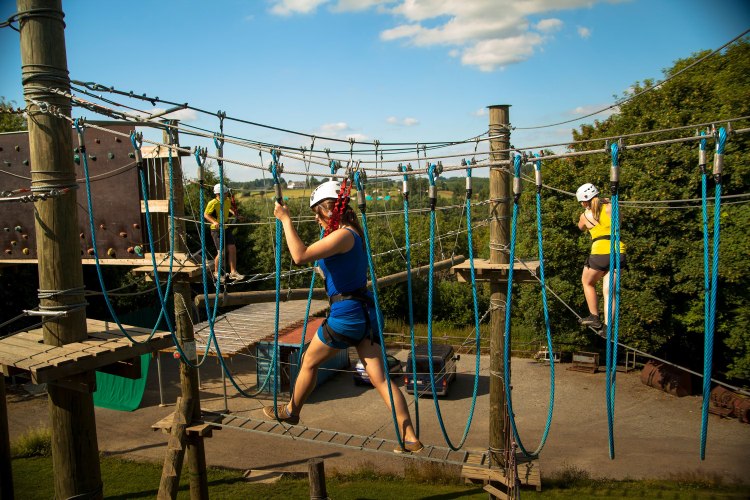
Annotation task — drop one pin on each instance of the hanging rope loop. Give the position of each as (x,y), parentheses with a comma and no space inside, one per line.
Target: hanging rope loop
(276,169)
(614,172)
(538,173)
(433,171)
(517,178)
(360,177)
(721,141)
(702,153)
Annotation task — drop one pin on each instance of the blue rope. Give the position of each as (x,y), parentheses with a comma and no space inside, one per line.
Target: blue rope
(431,287)
(508,309)
(612,319)
(275,360)
(373,277)
(211,315)
(409,291)
(82,148)
(710,320)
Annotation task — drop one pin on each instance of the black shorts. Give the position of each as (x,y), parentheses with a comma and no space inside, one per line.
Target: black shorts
(600,262)
(228,238)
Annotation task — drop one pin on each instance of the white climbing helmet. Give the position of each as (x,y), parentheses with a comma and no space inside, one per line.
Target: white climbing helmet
(326,191)
(217,189)
(586,192)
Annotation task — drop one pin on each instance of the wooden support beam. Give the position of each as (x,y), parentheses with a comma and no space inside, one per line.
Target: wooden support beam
(500,203)
(6,471)
(259,296)
(75,452)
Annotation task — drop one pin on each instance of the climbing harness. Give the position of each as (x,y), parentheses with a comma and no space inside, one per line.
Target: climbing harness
(613,306)
(712,269)
(517,159)
(360,179)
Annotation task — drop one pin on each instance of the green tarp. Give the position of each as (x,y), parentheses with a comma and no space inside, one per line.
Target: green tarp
(120,393)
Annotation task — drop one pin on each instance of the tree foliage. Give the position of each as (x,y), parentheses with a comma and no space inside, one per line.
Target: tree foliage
(662,306)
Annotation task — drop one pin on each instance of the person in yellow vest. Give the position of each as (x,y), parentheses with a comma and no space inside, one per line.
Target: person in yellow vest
(211,213)
(596,219)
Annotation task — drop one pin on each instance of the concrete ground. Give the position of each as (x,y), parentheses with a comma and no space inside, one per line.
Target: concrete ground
(656,434)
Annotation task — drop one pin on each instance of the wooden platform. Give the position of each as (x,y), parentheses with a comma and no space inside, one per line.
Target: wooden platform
(203,427)
(106,345)
(239,330)
(523,272)
(528,473)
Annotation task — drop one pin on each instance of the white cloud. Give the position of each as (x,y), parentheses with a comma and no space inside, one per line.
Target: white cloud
(489,55)
(480,112)
(357,137)
(357,5)
(289,7)
(487,34)
(406,122)
(593,108)
(183,115)
(334,127)
(549,25)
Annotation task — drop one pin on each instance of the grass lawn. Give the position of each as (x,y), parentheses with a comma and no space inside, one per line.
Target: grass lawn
(127,479)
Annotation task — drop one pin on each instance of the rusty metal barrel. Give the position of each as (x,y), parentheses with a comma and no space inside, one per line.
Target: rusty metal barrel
(667,378)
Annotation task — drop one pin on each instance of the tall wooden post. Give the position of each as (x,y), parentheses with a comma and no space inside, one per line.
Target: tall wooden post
(6,473)
(500,203)
(196,455)
(75,454)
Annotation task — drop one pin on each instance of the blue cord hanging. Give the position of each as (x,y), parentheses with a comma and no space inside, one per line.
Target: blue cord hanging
(613,307)
(409,291)
(362,204)
(711,289)
(508,307)
(431,173)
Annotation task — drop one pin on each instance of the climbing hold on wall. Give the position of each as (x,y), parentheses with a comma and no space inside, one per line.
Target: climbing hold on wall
(111,252)
(8,251)
(13,242)
(19,229)
(111,156)
(123,234)
(82,235)
(136,226)
(25,236)
(102,227)
(138,250)
(131,250)
(25,251)
(90,251)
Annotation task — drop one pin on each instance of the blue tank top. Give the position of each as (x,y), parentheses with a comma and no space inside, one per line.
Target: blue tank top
(345,273)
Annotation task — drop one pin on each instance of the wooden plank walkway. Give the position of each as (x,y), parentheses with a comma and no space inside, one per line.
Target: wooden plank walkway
(105,345)
(241,329)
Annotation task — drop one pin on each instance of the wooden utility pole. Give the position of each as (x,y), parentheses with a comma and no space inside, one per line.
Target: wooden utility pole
(6,473)
(190,407)
(500,210)
(75,454)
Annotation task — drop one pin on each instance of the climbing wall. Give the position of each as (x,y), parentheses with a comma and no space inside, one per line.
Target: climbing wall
(114,191)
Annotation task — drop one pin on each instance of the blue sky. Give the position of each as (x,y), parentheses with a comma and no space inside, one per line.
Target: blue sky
(395,71)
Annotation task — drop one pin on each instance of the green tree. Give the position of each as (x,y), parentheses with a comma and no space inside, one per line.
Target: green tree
(10,119)
(662,307)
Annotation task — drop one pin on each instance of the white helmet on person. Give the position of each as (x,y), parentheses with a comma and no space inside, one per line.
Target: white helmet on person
(326,191)
(586,192)
(217,189)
